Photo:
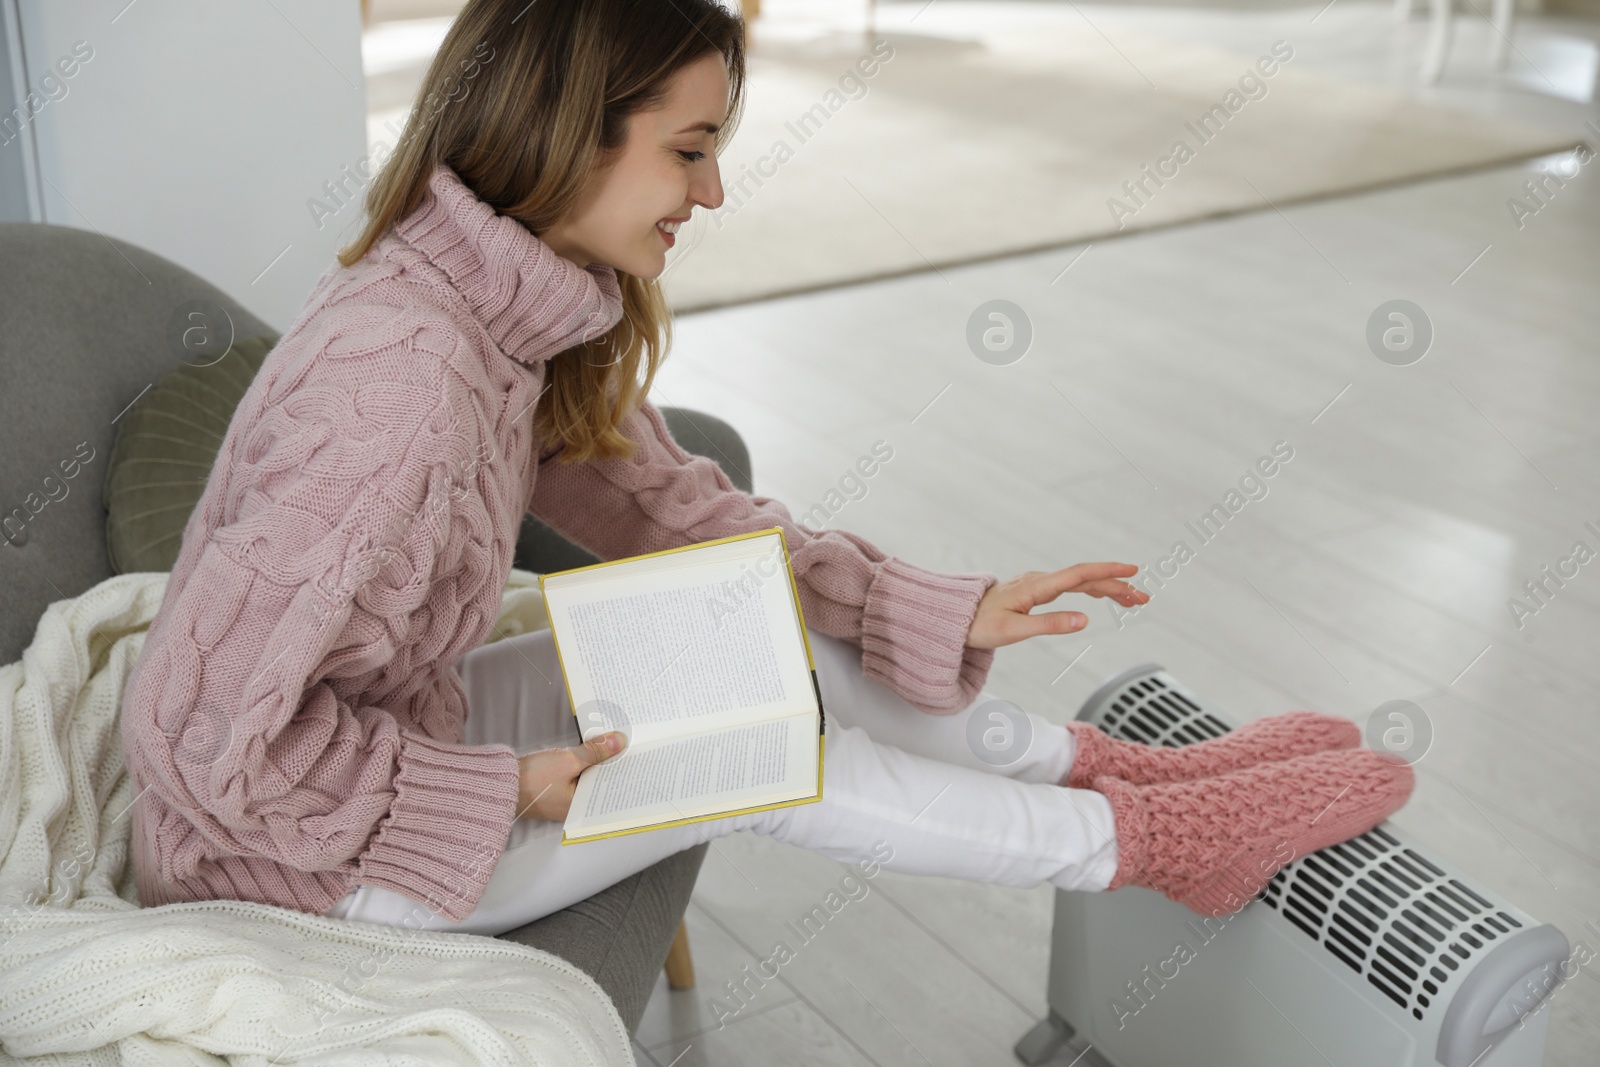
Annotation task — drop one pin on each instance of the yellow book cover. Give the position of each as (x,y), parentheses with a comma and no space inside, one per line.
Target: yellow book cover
(700,655)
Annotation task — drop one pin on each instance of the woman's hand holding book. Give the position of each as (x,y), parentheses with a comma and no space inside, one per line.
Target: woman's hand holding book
(549,777)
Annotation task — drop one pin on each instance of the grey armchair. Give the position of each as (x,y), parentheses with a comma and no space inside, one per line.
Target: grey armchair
(84,325)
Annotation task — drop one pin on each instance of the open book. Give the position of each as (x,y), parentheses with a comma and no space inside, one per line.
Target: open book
(699,655)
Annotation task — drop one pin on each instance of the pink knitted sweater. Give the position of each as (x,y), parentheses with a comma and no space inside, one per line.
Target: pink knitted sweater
(293,723)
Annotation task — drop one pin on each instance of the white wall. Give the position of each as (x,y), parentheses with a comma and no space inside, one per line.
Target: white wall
(198,129)
(18,171)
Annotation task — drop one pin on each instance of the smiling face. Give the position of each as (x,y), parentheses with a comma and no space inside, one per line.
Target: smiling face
(667,166)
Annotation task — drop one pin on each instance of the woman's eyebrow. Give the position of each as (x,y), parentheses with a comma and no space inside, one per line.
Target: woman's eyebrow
(708,127)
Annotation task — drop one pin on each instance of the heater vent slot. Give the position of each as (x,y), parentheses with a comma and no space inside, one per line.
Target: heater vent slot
(1155,711)
(1374,903)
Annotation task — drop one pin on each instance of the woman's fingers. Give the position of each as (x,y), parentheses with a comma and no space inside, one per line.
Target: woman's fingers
(550,776)
(1076,578)
(1021,626)
(1113,587)
(1005,613)
(1060,622)
(597,749)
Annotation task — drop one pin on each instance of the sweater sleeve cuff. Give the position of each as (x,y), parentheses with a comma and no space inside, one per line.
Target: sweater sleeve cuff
(448,825)
(914,628)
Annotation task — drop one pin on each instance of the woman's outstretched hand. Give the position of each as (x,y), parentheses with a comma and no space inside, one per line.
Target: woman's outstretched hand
(550,777)
(1002,617)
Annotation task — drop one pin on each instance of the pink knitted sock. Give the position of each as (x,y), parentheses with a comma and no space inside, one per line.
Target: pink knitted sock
(1211,844)
(1276,737)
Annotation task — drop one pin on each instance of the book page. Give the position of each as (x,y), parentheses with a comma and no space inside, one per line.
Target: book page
(666,656)
(726,770)
(738,549)
(663,652)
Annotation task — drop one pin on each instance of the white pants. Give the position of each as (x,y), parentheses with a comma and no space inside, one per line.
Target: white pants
(924,790)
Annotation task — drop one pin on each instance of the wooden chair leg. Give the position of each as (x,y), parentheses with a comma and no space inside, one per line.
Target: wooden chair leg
(680,965)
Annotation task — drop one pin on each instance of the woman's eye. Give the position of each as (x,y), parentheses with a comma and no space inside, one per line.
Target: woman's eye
(692,157)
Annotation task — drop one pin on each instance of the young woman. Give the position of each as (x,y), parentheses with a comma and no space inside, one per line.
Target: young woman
(314,721)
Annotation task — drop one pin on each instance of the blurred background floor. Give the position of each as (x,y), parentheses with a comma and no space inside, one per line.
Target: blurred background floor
(853,146)
(1380,565)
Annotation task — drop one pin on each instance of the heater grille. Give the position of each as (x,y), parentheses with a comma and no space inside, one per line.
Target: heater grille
(1155,710)
(1388,913)
(1373,902)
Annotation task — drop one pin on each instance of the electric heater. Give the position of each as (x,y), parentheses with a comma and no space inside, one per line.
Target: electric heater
(1369,953)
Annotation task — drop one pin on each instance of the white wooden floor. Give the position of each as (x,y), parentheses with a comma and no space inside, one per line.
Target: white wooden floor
(1419,500)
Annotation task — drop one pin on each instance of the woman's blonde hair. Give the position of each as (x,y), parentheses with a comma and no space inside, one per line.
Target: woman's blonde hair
(525,101)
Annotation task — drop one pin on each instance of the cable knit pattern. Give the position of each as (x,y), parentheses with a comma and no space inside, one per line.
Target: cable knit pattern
(910,623)
(1212,844)
(294,721)
(1276,737)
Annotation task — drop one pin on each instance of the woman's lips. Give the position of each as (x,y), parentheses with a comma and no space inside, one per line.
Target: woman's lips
(666,235)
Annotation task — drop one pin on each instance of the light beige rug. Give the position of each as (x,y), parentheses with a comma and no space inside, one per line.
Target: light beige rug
(959,150)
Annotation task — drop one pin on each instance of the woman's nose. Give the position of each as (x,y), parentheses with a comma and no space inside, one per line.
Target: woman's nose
(706,187)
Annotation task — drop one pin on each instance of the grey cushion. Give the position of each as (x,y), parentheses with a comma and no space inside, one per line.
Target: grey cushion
(166,445)
(620,936)
(87,323)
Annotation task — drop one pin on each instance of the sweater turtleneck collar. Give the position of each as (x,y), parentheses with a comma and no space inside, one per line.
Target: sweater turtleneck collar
(532,301)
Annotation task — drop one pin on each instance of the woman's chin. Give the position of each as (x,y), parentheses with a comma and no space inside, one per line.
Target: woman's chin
(640,264)
(648,266)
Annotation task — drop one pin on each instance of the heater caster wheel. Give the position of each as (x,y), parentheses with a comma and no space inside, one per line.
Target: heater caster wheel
(1039,1045)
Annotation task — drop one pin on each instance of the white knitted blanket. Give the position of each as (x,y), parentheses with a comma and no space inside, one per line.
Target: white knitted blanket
(89,977)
